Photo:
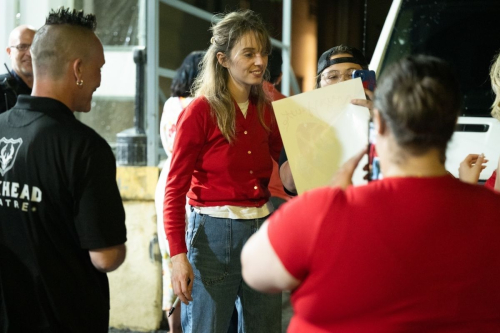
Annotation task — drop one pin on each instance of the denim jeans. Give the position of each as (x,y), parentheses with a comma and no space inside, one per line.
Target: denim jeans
(214,248)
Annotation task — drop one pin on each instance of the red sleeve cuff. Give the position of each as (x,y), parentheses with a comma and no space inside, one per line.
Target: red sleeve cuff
(177,244)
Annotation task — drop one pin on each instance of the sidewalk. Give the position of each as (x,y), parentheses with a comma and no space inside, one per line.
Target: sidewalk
(115,330)
(287,313)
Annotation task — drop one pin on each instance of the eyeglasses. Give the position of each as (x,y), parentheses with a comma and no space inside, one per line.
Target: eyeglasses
(334,76)
(21,47)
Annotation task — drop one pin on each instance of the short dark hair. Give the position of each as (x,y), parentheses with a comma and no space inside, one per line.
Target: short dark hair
(71,17)
(274,65)
(186,74)
(419,99)
(324,61)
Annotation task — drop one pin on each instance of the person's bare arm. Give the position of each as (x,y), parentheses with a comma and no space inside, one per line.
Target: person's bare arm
(108,259)
(287,177)
(262,268)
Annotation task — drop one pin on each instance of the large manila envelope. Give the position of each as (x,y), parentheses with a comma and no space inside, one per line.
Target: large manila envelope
(321,130)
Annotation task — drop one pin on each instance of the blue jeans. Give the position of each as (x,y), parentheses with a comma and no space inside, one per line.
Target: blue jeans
(214,248)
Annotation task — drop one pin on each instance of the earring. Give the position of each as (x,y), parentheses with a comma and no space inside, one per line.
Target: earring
(79,83)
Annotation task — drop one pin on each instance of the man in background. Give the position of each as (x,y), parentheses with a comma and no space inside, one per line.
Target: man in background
(62,225)
(334,66)
(18,80)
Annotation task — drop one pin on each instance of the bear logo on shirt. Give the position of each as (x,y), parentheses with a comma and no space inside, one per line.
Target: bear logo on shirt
(8,152)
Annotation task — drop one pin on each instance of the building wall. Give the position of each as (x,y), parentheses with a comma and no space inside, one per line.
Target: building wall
(136,286)
(343,22)
(304,43)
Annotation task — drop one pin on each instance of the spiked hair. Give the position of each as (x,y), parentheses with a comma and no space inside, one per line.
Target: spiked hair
(71,17)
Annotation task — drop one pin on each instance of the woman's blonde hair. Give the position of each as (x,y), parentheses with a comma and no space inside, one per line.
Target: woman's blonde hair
(212,82)
(495,85)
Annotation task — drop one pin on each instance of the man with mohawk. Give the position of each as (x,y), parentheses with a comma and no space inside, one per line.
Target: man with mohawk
(62,219)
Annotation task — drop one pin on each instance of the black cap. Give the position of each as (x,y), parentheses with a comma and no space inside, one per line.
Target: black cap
(357,57)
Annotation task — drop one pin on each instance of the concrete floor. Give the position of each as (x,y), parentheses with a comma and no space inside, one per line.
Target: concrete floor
(115,330)
(286,311)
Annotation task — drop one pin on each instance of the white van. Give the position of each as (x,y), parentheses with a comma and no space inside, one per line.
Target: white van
(467,35)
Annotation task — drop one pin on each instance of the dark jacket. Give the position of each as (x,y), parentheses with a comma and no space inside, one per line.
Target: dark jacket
(11,86)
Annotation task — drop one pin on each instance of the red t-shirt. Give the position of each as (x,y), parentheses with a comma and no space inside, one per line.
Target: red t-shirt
(396,255)
(213,172)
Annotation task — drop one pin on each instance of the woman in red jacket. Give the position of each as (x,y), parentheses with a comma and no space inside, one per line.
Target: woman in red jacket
(222,160)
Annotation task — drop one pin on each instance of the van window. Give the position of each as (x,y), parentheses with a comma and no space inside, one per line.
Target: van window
(464,33)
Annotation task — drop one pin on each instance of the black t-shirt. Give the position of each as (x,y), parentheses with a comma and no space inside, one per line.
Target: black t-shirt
(58,199)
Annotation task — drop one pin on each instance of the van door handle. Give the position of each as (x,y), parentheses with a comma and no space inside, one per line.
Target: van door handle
(479,128)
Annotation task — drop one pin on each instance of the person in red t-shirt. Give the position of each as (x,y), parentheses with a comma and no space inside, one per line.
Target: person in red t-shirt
(471,166)
(417,251)
(221,158)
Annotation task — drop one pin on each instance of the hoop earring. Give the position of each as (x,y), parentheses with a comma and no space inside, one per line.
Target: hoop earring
(79,83)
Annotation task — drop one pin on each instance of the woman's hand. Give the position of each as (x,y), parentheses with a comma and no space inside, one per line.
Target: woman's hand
(367,103)
(471,167)
(182,277)
(343,177)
